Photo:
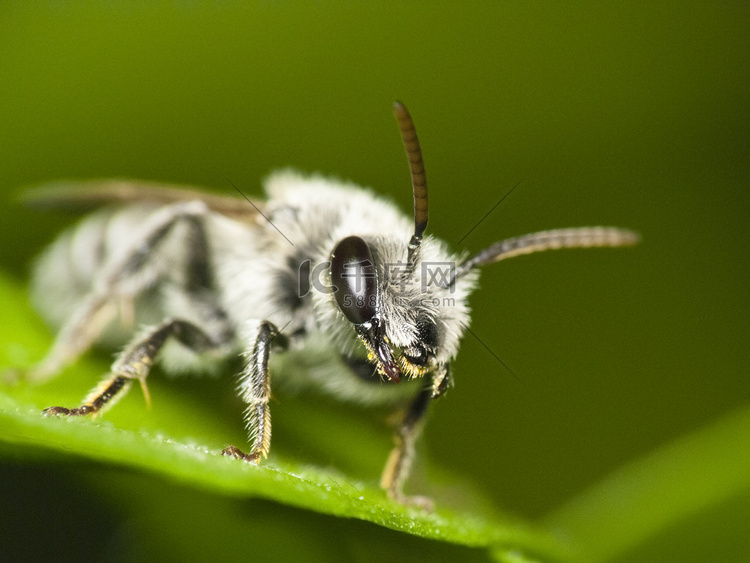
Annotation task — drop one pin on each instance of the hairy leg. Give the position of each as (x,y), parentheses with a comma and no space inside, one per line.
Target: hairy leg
(255,387)
(399,462)
(135,363)
(120,283)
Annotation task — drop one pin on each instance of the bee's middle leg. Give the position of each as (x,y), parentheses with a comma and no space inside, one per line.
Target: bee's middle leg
(135,363)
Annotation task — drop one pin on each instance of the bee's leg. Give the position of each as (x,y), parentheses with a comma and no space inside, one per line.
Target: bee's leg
(75,337)
(255,387)
(122,281)
(399,462)
(135,363)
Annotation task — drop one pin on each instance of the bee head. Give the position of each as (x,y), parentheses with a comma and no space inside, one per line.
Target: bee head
(397,314)
(409,323)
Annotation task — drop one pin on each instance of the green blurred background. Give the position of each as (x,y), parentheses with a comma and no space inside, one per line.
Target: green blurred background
(635,115)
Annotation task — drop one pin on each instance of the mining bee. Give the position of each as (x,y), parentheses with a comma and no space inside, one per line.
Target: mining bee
(323,268)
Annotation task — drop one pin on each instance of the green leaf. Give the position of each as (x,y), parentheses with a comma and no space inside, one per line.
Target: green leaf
(692,475)
(181,438)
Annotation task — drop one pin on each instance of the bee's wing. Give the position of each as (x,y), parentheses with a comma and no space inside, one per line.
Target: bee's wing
(84,195)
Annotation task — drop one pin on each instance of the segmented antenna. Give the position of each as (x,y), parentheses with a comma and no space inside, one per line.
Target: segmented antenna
(418,176)
(582,237)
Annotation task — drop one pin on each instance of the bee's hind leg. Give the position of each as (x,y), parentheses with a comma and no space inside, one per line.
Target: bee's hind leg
(135,363)
(74,338)
(120,283)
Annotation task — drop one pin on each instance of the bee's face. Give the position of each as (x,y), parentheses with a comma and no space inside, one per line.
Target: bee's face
(393,317)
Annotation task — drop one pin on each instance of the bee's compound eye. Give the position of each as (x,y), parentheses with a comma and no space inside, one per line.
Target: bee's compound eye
(354,279)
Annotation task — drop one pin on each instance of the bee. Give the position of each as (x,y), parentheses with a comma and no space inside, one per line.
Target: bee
(323,269)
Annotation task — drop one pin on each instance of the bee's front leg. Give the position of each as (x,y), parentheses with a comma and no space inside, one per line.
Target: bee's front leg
(255,388)
(398,466)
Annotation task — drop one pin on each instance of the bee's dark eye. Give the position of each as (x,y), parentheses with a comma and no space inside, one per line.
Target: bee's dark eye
(354,279)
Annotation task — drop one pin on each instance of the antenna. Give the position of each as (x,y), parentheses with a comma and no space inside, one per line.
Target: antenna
(418,177)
